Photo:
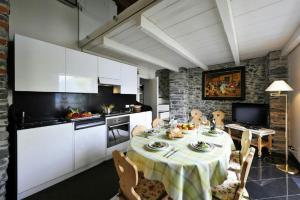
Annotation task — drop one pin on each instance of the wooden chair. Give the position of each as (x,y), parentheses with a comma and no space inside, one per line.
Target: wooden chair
(219,119)
(156,122)
(234,188)
(196,116)
(133,187)
(238,157)
(138,130)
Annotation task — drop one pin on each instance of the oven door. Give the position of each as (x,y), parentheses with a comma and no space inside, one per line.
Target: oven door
(117,134)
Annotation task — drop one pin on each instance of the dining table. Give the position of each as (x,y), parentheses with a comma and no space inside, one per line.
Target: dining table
(187,174)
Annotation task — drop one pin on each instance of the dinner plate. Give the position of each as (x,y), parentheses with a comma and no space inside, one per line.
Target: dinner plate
(152,131)
(195,147)
(214,134)
(189,131)
(157,145)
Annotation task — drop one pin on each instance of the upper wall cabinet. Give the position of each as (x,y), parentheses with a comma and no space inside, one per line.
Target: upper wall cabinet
(128,79)
(109,71)
(39,66)
(81,72)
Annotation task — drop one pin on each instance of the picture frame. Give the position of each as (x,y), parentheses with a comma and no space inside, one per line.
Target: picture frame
(224,84)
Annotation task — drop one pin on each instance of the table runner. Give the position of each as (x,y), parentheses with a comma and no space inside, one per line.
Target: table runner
(186,175)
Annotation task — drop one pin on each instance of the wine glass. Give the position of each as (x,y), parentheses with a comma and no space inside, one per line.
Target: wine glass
(204,120)
(160,124)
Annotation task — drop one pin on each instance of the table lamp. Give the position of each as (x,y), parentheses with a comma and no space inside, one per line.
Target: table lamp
(276,89)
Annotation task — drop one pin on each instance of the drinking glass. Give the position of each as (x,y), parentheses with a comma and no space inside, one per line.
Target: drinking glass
(160,124)
(204,120)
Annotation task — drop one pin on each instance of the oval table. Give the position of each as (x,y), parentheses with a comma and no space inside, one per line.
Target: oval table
(187,174)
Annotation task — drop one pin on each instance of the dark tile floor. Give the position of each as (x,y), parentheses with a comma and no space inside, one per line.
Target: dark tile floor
(265,181)
(101,183)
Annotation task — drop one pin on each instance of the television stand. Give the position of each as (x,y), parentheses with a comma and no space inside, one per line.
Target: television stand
(260,133)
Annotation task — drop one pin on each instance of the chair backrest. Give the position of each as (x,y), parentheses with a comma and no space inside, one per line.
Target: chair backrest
(196,116)
(219,118)
(138,130)
(245,143)
(244,173)
(156,122)
(128,175)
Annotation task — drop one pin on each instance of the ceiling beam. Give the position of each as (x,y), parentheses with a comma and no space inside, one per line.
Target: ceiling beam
(225,11)
(159,35)
(293,42)
(128,51)
(140,6)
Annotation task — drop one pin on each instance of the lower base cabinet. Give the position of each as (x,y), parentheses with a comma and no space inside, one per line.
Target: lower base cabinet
(48,153)
(90,145)
(44,154)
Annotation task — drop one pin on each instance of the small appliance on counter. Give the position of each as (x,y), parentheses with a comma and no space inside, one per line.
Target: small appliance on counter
(137,108)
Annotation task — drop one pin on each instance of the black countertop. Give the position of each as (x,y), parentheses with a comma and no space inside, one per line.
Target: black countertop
(41,123)
(56,121)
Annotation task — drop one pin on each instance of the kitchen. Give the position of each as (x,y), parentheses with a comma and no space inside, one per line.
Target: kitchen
(49,117)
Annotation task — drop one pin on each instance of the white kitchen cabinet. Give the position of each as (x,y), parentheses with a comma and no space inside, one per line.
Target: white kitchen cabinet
(39,66)
(109,71)
(128,79)
(90,145)
(81,72)
(44,154)
(142,118)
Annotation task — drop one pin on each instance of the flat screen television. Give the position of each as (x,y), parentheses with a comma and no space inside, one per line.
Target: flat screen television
(251,114)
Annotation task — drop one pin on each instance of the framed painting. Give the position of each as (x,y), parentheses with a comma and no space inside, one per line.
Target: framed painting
(224,84)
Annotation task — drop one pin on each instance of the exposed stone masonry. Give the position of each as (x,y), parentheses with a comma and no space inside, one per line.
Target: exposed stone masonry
(4,153)
(185,90)
(277,70)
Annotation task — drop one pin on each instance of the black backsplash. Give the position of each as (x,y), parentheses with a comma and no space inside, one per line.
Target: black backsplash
(46,105)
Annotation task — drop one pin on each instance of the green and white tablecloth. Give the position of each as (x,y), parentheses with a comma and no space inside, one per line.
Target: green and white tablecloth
(186,175)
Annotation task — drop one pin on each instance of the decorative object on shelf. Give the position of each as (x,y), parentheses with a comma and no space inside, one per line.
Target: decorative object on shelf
(224,84)
(276,89)
(107,108)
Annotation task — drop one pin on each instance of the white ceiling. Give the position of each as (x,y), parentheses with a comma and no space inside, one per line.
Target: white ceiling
(195,30)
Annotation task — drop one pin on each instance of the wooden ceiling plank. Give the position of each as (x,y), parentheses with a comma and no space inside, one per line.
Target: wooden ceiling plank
(156,33)
(225,11)
(128,51)
(293,42)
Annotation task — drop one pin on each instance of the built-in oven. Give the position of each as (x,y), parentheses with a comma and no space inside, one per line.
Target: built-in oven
(118,130)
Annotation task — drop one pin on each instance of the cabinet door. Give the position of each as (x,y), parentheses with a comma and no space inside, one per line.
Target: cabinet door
(39,66)
(90,145)
(81,72)
(137,119)
(44,154)
(128,79)
(109,71)
(148,119)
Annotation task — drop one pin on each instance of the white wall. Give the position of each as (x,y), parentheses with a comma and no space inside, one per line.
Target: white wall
(94,14)
(146,72)
(47,20)
(294,98)
(54,22)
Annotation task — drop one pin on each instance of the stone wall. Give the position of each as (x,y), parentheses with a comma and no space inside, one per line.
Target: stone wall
(4,153)
(277,70)
(163,91)
(186,86)
(179,94)
(185,90)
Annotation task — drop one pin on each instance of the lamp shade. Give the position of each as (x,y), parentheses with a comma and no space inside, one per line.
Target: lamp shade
(279,86)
